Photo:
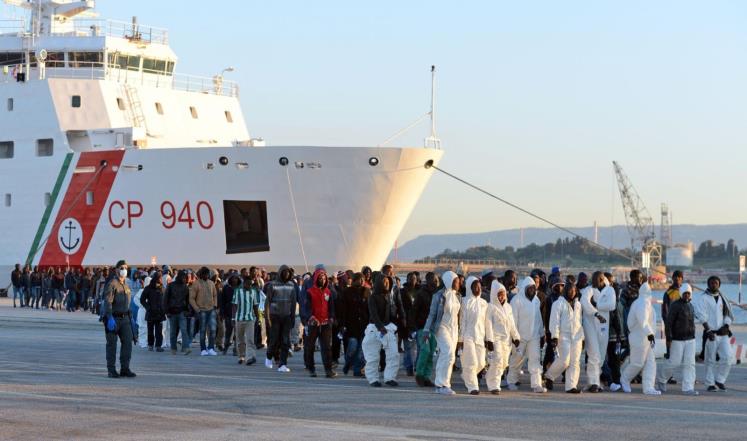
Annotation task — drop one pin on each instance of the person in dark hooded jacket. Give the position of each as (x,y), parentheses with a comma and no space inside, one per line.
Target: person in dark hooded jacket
(352,314)
(152,300)
(280,315)
(319,315)
(176,305)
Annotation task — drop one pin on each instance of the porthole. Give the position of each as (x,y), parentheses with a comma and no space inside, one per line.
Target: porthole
(223,160)
(283,161)
(373,161)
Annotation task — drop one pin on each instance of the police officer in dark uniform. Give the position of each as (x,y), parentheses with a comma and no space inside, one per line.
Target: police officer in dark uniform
(117,322)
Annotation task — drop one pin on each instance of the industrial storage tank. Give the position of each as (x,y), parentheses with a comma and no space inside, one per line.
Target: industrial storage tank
(680,255)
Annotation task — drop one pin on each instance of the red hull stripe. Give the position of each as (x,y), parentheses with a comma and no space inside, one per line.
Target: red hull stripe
(76,221)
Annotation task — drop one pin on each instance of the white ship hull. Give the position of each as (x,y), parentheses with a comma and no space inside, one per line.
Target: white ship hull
(347,214)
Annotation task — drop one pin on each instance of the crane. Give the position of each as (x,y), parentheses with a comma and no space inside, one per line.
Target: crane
(639,221)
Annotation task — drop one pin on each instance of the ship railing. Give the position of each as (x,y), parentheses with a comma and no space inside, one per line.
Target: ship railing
(119,29)
(187,83)
(12,27)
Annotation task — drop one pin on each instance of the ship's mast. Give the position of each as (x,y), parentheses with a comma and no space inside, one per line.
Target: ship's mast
(432,140)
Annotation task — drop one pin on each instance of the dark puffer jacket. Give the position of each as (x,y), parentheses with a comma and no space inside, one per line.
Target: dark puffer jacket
(177,298)
(681,321)
(152,301)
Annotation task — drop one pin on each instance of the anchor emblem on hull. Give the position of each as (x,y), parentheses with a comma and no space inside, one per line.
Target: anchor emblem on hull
(70,236)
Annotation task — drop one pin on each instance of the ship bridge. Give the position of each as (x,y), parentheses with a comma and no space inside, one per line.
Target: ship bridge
(108,84)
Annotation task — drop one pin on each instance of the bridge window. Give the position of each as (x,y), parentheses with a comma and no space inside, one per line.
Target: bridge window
(47,199)
(8,199)
(193,111)
(124,61)
(55,59)
(152,65)
(76,101)
(89,198)
(7,149)
(85,59)
(159,108)
(246,226)
(11,58)
(10,104)
(44,147)
(120,104)
(229,117)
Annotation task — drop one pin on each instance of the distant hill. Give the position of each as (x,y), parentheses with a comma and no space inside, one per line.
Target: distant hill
(432,244)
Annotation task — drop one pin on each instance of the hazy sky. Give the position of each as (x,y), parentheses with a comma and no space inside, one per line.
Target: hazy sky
(535,99)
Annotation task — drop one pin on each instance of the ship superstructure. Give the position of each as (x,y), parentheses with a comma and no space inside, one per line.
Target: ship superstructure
(106,152)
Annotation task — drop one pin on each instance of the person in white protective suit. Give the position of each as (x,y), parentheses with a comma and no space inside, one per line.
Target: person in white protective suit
(505,334)
(714,311)
(381,334)
(567,336)
(680,328)
(641,325)
(528,319)
(443,323)
(597,300)
(475,334)
(142,325)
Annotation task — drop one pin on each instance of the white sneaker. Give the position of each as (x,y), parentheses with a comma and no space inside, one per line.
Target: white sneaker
(445,391)
(614,387)
(625,387)
(212,352)
(268,363)
(661,386)
(652,392)
(283,369)
(204,353)
(539,390)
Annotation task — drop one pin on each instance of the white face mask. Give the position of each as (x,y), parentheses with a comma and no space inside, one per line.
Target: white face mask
(122,273)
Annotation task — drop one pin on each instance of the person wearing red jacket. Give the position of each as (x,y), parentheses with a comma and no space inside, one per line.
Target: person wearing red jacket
(319,316)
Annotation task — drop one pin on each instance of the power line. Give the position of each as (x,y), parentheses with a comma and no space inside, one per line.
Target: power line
(430,164)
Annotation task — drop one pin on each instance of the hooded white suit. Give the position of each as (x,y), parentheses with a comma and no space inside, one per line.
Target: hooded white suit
(142,325)
(565,325)
(447,333)
(596,334)
(504,331)
(641,324)
(528,321)
(711,309)
(475,329)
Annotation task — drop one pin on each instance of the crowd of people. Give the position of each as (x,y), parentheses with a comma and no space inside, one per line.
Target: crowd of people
(497,327)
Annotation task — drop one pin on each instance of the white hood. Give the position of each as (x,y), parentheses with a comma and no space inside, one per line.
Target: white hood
(495,288)
(468,287)
(645,291)
(448,278)
(686,288)
(526,281)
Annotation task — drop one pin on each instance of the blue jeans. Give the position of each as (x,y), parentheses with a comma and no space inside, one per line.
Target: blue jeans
(17,293)
(70,301)
(208,325)
(35,296)
(411,353)
(83,303)
(354,356)
(178,323)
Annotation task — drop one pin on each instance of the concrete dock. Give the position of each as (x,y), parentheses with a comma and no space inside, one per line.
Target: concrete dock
(53,385)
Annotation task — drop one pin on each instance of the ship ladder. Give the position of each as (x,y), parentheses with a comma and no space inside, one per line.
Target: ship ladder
(137,117)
